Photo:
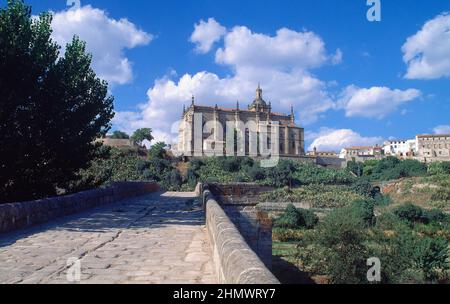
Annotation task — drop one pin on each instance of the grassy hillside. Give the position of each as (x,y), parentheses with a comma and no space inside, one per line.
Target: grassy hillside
(428,192)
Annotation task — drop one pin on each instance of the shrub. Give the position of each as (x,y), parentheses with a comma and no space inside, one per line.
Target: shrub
(397,251)
(439,168)
(364,210)
(410,213)
(363,187)
(392,168)
(413,167)
(196,164)
(382,200)
(231,164)
(342,236)
(435,216)
(321,196)
(356,168)
(414,214)
(431,255)
(294,218)
(281,175)
(192,177)
(307,173)
(287,235)
(158,151)
(173,180)
(290,219)
(256,173)
(387,221)
(141,165)
(308,219)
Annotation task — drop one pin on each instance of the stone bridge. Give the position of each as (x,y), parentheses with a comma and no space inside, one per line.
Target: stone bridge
(131,233)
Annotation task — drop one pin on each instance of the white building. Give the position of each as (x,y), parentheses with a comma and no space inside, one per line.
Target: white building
(400,148)
(361,153)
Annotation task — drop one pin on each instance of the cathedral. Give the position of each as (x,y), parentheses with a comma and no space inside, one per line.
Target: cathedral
(205,130)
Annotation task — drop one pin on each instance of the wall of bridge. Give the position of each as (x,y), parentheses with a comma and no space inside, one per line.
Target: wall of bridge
(240,234)
(21,215)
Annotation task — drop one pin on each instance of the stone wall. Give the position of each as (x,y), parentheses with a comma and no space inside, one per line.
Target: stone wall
(331,162)
(20,215)
(240,202)
(235,262)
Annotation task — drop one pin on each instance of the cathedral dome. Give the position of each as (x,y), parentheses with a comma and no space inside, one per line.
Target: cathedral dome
(259,102)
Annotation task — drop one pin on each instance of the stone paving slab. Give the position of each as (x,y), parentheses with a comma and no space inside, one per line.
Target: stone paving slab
(157,238)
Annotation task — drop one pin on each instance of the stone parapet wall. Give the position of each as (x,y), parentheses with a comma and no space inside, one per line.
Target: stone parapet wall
(21,215)
(241,201)
(238,193)
(235,262)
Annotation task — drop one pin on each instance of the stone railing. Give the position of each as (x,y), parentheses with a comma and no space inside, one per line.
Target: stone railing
(20,215)
(235,262)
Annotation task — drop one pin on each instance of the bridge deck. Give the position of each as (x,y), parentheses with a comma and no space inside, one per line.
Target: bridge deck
(158,238)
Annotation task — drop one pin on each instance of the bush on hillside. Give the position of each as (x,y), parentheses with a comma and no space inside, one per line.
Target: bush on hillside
(363,187)
(364,210)
(356,168)
(390,168)
(256,173)
(294,218)
(439,168)
(341,237)
(410,213)
(281,175)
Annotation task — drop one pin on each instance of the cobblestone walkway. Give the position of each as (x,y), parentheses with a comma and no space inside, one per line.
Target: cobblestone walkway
(159,238)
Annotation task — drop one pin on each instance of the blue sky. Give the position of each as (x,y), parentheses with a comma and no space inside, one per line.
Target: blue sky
(347,77)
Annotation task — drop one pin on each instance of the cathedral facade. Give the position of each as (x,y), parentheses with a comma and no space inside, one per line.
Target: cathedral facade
(215,131)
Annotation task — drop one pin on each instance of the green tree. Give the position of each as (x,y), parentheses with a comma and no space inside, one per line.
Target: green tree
(282,175)
(142,134)
(342,237)
(356,168)
(52,107)
(158,151)
(119,135)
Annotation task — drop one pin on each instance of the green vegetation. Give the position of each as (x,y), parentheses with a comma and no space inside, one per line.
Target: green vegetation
(388,168)
(411,238)
(119,135)
(52,107)
(319,196)
(130,164)
(412,244)
(287,173)
(439,168)
(142,134)
(294,218)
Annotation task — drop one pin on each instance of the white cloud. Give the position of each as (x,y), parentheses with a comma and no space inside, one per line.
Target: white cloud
(280,63)
(427,52)
(286,51)
(374,102)
(337,58)
(335,140)
(206,34)
(106,39)
(442,129)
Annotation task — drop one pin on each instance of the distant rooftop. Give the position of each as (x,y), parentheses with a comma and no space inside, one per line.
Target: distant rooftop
(433,135)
